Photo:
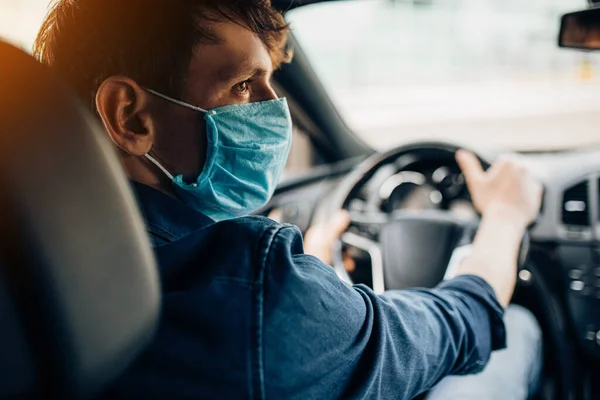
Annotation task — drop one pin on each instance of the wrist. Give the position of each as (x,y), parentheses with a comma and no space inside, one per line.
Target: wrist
(507,215)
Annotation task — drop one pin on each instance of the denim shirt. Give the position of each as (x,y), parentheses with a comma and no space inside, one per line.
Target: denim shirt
(247,315)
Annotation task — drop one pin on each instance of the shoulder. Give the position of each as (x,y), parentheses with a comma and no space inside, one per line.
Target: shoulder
(276,252)
(262,231)
(271,242)
(239,248)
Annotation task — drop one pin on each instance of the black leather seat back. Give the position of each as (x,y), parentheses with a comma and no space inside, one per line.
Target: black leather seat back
(79,293)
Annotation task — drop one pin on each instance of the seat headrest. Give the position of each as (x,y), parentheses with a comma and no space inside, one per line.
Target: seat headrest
(79,291)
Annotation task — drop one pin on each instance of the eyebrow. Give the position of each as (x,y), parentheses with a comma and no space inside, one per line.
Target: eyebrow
(235,73)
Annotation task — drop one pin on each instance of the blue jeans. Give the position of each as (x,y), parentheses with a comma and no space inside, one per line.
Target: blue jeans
(512,373)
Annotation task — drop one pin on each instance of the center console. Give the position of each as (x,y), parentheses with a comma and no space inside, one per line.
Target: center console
(579,256)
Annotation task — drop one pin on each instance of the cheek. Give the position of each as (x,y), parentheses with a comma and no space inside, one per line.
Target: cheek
(182,144)
(226,98)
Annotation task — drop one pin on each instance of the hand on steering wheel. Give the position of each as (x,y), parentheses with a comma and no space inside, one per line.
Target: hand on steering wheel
(498,187)
(320,239)
(409,249)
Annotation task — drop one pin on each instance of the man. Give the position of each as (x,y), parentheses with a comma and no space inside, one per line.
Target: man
(183,90)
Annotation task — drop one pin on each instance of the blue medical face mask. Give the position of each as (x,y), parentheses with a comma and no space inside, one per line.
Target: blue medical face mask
(247,148)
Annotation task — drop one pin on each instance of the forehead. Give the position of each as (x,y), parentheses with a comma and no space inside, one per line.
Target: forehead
(238,52)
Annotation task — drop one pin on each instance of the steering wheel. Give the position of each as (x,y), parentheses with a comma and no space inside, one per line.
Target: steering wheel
(407,248)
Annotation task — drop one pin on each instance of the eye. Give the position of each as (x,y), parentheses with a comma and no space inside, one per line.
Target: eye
(242,87)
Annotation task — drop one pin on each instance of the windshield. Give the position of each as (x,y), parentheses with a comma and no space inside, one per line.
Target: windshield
(477,72)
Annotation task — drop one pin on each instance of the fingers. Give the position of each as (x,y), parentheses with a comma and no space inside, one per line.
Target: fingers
(276,215)
(339,224)
(349,263)
(470,166)
(319,239)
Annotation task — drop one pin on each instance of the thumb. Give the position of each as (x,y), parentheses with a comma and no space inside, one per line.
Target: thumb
(470,166)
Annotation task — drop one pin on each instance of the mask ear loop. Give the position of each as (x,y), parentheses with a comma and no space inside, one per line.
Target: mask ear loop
(163,169)
(178,102)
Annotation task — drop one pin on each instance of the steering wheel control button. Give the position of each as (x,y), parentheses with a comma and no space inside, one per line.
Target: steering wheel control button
(436,197)
(576,274)
(577,286)
(525,276)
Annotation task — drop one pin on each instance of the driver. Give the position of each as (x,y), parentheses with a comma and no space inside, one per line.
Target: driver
(183,88)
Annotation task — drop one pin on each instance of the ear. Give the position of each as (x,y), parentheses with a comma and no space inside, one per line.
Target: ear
(124,108)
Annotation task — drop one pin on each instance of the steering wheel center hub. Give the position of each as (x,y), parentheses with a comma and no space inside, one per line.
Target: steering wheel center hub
(416,249)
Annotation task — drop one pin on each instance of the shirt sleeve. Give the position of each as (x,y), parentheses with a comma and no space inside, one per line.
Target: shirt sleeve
(326,339)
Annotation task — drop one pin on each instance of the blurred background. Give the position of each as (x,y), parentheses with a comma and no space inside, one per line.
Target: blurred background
(21,19)
(478,72)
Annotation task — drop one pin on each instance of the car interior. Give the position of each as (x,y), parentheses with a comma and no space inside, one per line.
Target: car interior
(79,286)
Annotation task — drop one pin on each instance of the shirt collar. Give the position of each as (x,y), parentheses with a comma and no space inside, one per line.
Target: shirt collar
(167,218)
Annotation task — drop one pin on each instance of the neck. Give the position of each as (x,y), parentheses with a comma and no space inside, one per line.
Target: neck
(142,171)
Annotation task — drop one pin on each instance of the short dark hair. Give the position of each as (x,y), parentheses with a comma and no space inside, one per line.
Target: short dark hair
(149,41)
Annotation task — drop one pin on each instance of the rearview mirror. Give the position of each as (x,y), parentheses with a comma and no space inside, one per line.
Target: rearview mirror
(580,30)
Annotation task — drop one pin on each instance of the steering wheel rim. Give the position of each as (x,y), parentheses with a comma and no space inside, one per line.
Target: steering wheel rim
(372,163)
(365,171)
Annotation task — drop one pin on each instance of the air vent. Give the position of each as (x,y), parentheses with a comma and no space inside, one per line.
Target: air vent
(575,210)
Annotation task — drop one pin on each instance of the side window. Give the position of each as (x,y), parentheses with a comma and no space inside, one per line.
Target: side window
(304,154)
(301,157)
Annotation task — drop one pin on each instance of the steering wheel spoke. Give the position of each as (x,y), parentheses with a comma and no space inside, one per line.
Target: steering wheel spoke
(373,249)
